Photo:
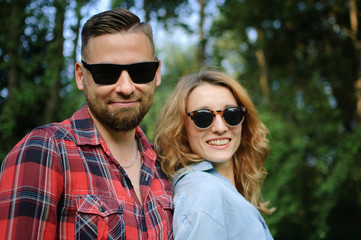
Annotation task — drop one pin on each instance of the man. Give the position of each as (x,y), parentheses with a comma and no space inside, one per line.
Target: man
(95,175)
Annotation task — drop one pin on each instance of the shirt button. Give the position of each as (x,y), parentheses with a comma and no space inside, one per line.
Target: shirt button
(102,209)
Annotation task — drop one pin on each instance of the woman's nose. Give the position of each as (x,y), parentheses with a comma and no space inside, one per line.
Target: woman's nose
(219,126)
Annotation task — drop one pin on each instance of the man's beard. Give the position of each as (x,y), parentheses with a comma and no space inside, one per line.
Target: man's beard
(120,119)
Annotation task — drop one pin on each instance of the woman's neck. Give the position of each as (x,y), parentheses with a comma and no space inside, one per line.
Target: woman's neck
(226,170)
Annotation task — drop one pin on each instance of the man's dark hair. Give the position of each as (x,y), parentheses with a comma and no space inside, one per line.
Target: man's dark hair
(114,21)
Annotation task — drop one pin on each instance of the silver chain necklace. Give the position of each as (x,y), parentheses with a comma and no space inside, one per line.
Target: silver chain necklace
(136,156)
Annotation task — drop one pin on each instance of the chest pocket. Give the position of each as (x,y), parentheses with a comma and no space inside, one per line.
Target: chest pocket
(166,202)
(99,217)
(164,214)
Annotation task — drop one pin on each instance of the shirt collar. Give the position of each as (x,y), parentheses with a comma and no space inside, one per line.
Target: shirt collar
(145,146)
(84,128)
(204,166)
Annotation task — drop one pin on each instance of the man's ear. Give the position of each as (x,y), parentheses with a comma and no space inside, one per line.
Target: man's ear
(79,76)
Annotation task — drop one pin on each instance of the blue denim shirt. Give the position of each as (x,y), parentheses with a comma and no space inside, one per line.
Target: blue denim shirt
(208,206)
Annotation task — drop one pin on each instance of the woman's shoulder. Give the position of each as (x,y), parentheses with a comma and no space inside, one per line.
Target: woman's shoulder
(198,180)
(195,177)
(199,190)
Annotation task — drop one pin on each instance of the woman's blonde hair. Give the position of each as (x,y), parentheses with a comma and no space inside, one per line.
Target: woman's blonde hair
(174,151)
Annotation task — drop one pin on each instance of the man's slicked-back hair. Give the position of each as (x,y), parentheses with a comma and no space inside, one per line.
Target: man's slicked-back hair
(113,21)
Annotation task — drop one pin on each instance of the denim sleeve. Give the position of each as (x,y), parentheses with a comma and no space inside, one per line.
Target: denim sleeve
(199,225)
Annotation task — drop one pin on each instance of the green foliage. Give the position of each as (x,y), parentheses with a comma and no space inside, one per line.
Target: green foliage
(311,72)
(310,66)
(181,63)
(164,12)
(31,68)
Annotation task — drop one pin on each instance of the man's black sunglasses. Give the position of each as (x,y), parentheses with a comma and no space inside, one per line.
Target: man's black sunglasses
(204,118)
(107,74)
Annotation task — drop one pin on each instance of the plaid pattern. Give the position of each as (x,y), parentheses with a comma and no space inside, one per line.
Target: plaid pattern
(61,182)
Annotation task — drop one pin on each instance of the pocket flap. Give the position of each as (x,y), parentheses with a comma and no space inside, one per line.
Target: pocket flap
(165,201)
(98,204)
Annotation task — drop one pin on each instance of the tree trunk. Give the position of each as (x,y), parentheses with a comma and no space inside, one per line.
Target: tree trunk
(262,62)
(357,45)
(15,30)
(202,40)
(56,63)
(76,29)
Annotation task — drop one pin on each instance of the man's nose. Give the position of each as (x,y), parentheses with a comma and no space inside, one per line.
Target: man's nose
(124,84)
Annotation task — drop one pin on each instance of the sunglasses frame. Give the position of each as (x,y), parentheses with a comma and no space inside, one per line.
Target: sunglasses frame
(214,113)
(122,67)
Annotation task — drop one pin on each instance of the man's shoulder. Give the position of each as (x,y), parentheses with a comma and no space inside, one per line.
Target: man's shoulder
(44,137)
(66,130)
(58,131)
(38,144)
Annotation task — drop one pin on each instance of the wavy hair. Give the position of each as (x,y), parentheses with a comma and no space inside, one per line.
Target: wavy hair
(174,151)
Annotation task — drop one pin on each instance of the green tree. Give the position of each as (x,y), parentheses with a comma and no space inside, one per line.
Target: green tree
(300,60)
(35,86)
(297,58)
(20,69)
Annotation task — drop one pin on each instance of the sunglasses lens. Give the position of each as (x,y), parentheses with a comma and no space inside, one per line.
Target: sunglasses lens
(202,118)
(142,72)
(233,116)
(105,74)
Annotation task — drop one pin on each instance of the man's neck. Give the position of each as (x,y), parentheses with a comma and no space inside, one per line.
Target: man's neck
(124,149)
(119,142)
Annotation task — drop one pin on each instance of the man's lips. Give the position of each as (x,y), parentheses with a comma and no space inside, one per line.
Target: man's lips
(124,103)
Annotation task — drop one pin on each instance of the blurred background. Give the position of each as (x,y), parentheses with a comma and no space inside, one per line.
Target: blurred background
(299,59)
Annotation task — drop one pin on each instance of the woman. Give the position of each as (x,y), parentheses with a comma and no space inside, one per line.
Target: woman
(213,146)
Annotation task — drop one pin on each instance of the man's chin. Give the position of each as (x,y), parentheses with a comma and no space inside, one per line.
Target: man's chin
(124,122)
(123,127)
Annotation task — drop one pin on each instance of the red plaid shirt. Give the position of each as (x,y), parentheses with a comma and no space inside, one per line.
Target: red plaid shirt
(61,182)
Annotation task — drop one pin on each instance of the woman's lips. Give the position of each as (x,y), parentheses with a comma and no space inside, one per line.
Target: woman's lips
(219,142)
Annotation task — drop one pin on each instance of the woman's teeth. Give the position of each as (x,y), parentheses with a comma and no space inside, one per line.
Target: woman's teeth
(219,142)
